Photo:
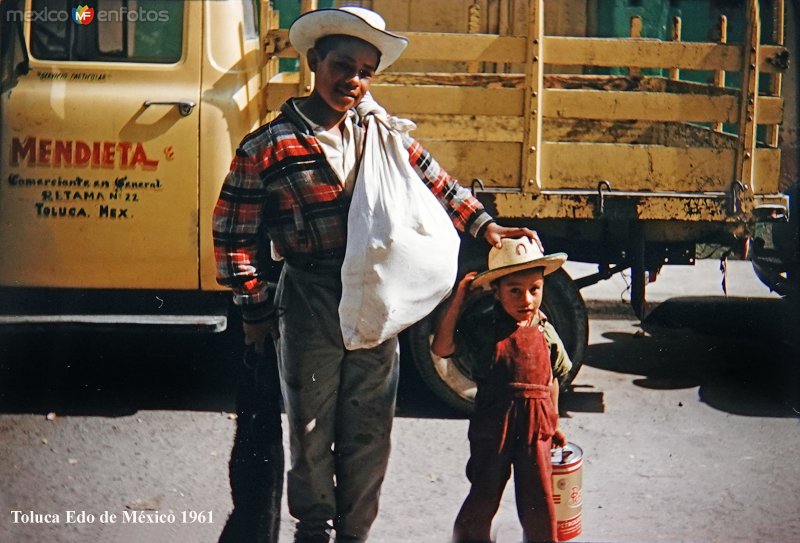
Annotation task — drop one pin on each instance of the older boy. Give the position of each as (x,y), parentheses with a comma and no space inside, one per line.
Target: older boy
(290,184)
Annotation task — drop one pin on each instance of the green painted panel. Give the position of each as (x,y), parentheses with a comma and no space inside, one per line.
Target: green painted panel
(699,22)
(288,11)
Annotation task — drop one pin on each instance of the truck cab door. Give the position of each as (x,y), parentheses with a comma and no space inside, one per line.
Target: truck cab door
(99,151)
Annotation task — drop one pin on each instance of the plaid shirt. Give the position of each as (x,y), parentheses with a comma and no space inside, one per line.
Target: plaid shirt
(281,188)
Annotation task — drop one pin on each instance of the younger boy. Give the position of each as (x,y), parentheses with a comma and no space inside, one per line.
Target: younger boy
(516,407)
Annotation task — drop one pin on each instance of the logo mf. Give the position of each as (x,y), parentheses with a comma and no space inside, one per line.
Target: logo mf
(83,15)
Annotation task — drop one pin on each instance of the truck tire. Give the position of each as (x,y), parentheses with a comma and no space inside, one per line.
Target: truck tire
(776,255)
(450,379)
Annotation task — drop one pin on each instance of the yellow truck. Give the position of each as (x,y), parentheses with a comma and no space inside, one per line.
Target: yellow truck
(120,117)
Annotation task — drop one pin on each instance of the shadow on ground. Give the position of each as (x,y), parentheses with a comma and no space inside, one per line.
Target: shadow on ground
(112,374)
(742,353)
(115,374)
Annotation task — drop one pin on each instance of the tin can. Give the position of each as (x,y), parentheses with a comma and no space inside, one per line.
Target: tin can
(567,490)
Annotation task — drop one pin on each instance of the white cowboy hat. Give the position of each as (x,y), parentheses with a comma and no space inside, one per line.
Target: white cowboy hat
(349,21)
(517,254)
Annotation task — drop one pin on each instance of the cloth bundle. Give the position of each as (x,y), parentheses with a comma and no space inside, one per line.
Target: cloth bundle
(402,250)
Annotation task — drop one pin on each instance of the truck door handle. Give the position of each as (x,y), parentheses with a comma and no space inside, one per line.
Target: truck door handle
(185,107)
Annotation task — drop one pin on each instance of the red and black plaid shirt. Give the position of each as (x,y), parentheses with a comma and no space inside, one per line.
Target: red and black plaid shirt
(282,188)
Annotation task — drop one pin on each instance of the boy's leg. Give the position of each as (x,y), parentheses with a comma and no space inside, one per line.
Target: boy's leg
(365,411)
(311,353)
(488,469)
(256,464)
(534,491)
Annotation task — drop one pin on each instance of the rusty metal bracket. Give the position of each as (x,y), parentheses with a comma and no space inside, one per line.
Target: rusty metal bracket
(479,183)
(601,275)
(275,42)
(737,188)
(780,60)
(601,201)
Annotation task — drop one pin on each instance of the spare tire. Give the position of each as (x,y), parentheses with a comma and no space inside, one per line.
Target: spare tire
(451,378)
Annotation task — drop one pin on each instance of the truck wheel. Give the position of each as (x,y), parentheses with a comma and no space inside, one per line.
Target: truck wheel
(451,378)
(775,251)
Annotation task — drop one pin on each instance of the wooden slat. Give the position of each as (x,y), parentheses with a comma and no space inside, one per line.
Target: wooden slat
(469,128)
(558,103)
(776,80)
(278,91)
(497,164)
(403,100)
(719,75)
(437,46)
(635,32)
(551,81)
(677,25)
(531,169)
(459,79)
(635,132)
(768,171)
(650,167)
(744,175)
(642,206)
(578,51)
(477,128)
(654,106)
(711,209)
(464,47)
(565,50)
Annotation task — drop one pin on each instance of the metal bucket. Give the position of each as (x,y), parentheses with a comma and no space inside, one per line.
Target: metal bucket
(568,490)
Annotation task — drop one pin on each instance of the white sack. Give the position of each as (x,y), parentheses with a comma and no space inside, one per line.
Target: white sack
(402,249)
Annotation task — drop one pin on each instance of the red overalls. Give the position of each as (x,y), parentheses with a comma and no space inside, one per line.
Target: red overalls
(513,423)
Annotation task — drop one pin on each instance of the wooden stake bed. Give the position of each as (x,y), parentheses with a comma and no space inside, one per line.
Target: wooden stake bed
(542,142)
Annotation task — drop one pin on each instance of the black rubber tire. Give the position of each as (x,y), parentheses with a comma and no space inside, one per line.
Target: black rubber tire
(778,267)
(450,379)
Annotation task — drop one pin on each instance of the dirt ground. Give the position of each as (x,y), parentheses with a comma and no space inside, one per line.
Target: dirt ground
(689,425)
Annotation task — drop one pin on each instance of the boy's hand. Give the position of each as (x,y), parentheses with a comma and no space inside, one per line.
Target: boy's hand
(465,285)
(444,343)
(559,438)
(462,290)
(495,233)
(255,333)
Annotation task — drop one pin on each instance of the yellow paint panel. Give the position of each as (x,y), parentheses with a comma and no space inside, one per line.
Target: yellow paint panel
(465,47)
(279,90)
(578,51)
(419,100)
(650,167)
(569,51)
(469,128)
(99,190)
(403,100)
(497,164)
(232,69)
(653,106)
(558,103)
(768,171)
(584,205)
(435,46)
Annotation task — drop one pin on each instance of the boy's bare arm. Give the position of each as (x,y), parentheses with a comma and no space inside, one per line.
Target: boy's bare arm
(559,437)
(444,339)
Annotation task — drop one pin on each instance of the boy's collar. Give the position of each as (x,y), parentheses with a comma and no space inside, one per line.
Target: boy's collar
(291,108)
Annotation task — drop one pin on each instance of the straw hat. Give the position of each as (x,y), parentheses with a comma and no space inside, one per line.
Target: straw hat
(517,254)
(349,21)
